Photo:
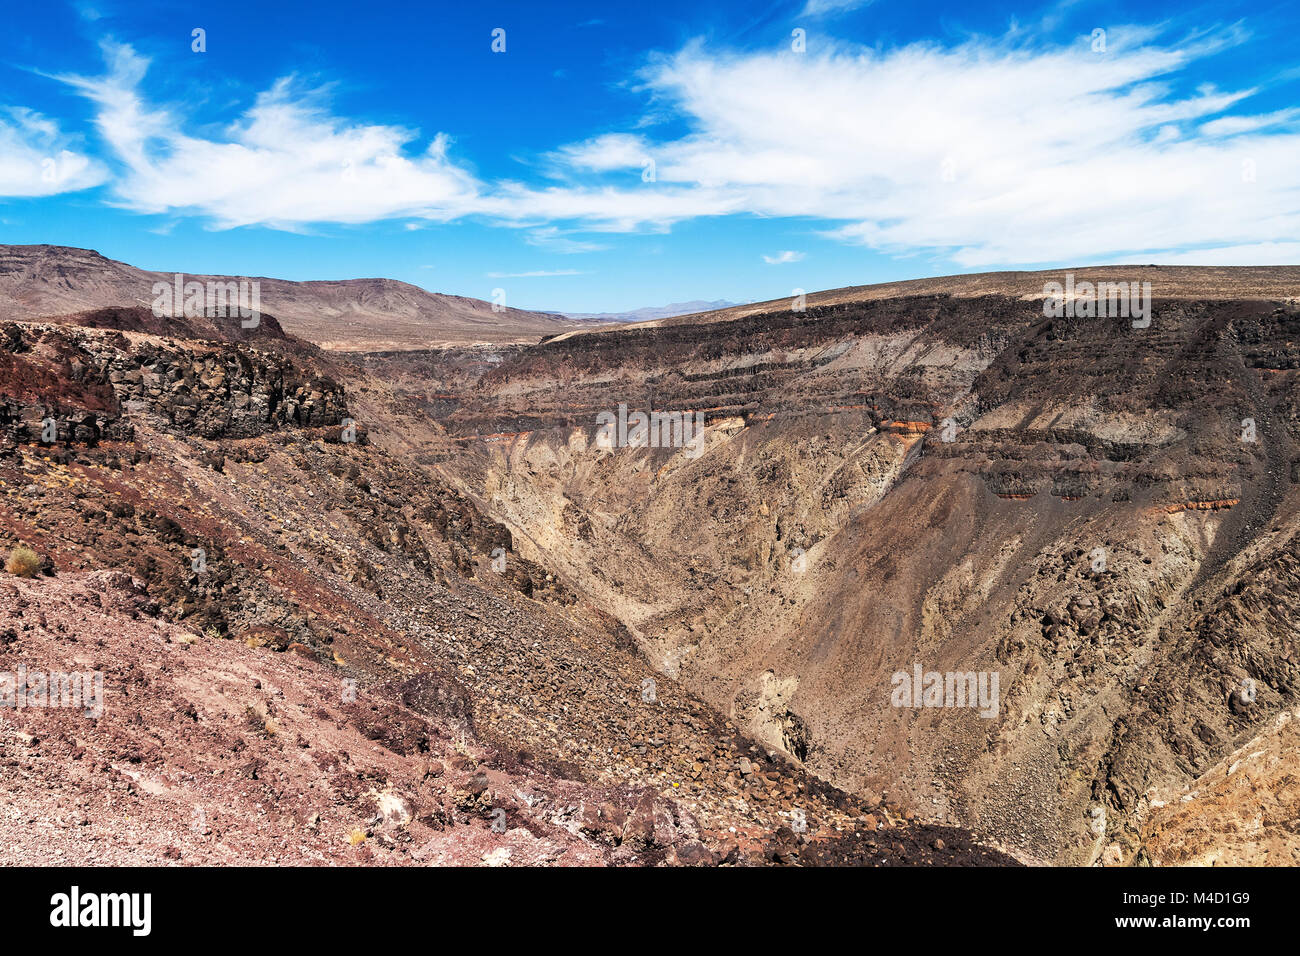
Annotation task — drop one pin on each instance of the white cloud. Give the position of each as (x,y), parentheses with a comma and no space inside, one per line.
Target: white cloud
(986,153)
(35,158)
(821,8)
(286,162)
(551,239)
(787,255)
(1249,254)
(606,152)
(992,152)
(610,208)
(1233,125)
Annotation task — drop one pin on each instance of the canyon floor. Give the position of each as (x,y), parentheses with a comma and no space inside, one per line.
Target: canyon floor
(403,606)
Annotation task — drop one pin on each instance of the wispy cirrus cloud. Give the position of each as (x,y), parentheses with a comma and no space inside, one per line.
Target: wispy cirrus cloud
(786,255)
(824,8)
(987,152)
(1235,125)
(38,159)
(552,239)
(287,161)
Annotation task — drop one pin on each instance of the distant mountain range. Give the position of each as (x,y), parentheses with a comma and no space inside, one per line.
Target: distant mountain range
(45,281)
(650,312)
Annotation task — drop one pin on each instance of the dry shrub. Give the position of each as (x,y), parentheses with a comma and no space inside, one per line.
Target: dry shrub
(23,562)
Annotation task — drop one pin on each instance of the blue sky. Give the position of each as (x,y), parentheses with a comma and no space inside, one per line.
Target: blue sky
(889,140)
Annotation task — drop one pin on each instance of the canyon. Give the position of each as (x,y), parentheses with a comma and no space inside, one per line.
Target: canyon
(662,655)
